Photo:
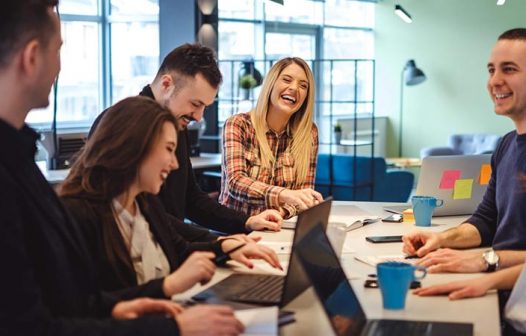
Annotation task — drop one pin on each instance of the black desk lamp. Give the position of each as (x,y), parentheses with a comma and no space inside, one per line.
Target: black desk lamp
(411,75)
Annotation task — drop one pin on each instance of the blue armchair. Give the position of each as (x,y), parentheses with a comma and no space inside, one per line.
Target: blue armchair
(389,185)
(464,144)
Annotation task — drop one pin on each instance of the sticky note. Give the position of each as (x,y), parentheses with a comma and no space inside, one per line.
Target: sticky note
(485,174)
(448,179)
(463,189)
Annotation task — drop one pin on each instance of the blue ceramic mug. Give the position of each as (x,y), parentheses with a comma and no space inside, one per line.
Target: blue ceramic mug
(423,207)
(394,279)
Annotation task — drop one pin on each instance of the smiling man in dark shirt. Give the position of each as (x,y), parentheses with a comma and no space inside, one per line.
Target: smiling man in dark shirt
(499,220)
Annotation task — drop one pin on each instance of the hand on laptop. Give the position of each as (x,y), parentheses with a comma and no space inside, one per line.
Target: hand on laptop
(453,261)
(266,220)
(301,199)
(251,250)
(420,243)
(198,267)
(242,238)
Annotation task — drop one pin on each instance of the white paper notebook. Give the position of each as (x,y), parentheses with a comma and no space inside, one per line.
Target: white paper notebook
(350,222)
(259,321)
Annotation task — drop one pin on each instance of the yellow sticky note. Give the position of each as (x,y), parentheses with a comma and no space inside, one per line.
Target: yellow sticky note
(463,189)
(485,174)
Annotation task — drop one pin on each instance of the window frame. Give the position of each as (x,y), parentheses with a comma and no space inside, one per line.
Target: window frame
(104,19)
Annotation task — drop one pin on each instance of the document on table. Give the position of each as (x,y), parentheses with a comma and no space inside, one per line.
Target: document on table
(353,222)
(349,222)
(259,321)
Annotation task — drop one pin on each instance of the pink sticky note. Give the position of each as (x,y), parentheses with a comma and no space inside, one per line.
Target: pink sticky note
(448,179)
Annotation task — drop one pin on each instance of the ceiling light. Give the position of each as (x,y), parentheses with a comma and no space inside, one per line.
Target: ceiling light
(401,12)
(500,2)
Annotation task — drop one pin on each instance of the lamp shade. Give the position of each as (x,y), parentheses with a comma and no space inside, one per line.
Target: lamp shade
(206,6)
(412,74)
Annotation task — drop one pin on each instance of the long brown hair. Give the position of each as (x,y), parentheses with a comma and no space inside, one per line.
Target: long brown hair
(108,164)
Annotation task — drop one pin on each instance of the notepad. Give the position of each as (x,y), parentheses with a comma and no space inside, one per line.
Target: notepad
(259,321)
(349,222)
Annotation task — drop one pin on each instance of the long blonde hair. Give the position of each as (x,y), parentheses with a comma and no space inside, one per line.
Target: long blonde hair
(300,123)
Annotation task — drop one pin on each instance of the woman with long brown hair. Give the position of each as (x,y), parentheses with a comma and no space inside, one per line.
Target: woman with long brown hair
(111,191)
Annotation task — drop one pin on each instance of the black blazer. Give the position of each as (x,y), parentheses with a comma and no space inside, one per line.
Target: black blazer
(116,274)
(48,284)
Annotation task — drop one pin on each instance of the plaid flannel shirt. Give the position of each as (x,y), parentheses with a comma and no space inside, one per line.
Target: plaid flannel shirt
(246,185)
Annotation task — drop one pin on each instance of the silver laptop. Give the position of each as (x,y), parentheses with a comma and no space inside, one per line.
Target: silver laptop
(341,304)
(437,174)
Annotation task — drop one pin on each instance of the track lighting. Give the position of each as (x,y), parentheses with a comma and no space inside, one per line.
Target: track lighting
(403,14)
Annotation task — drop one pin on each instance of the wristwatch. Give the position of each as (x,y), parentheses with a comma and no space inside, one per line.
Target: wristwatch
(491,258)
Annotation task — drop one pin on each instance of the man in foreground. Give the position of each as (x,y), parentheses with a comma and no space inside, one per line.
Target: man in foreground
(48,282)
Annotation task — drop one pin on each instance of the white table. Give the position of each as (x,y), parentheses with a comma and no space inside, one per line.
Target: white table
(311,320)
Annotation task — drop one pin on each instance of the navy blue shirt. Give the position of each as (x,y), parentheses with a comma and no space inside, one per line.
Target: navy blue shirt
(501,216)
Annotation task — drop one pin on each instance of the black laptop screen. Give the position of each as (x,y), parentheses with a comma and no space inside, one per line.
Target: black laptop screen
(330,283)
(296,281)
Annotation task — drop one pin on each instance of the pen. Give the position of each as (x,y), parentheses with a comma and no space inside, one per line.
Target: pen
(370,220)
(220,260)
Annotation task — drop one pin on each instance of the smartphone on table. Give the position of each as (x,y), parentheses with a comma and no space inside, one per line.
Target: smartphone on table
(384,239)
(394,218)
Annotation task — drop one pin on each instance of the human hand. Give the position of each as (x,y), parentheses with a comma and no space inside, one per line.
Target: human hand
(209,320)
(128,310)
(455,261)
(198,267)
(420,243)
(268,219)
(459,289)
(242,238)
(301,199)
(251,251)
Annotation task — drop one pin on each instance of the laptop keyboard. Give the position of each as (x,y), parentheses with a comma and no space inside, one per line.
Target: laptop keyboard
(266,290)
(251,288)
(399,327)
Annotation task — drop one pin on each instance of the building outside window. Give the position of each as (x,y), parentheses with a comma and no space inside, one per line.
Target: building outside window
(110,51)
(331,34)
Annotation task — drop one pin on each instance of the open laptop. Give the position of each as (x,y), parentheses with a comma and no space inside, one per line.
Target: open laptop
(269,289)
(435,172)
(341,304)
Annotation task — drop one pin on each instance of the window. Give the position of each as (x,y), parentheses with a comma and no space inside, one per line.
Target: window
(110,51)
(336,36)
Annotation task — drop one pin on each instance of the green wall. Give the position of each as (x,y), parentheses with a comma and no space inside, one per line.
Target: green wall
(450,40)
